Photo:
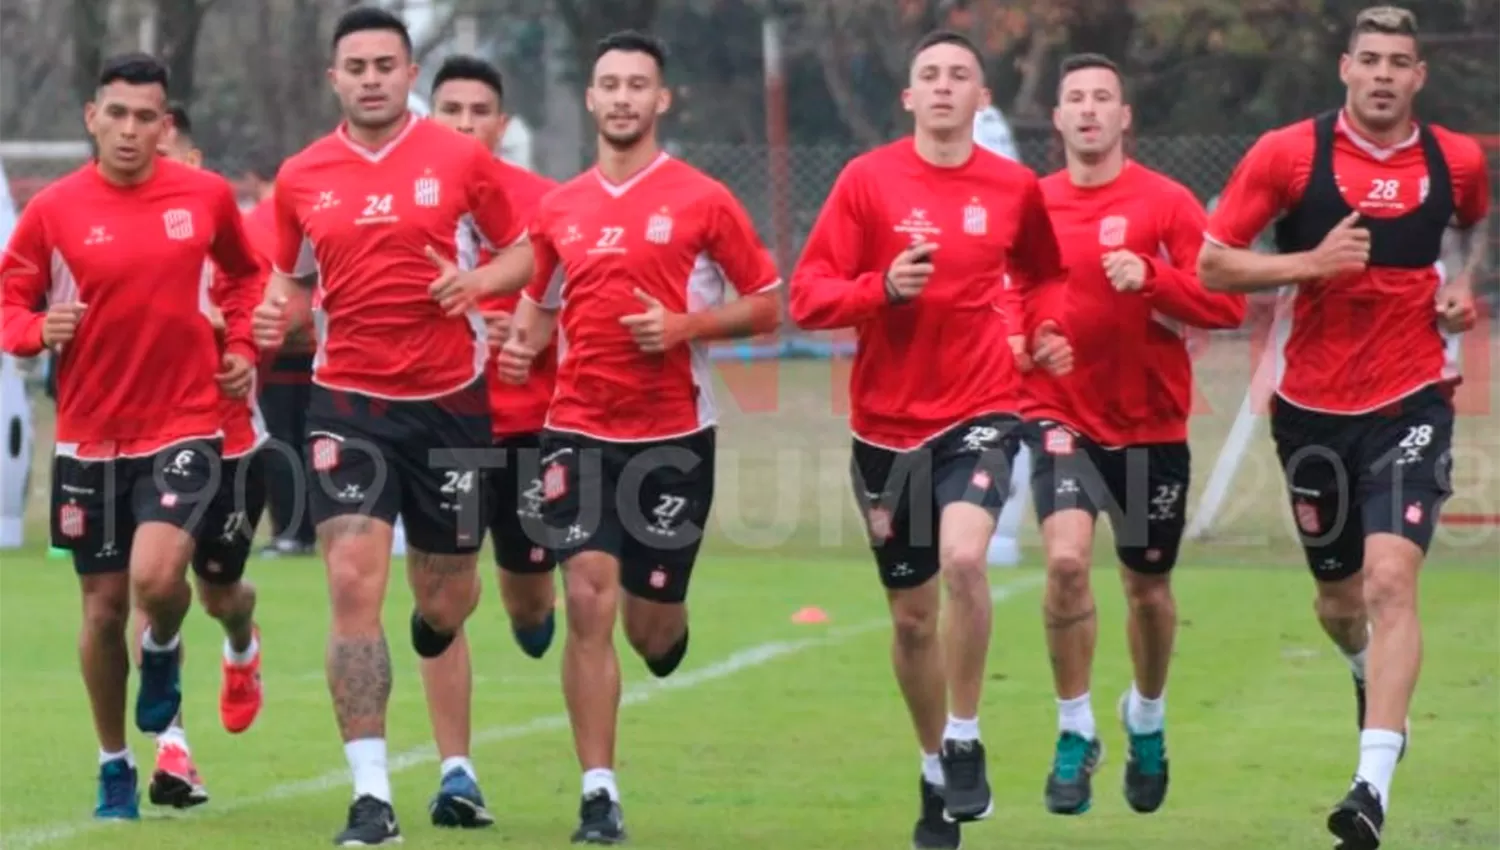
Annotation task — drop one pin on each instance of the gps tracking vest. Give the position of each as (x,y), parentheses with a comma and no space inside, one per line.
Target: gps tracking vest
(1410,241)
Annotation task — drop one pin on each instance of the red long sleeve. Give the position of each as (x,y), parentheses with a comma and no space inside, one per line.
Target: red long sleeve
(828,289)
(26,273)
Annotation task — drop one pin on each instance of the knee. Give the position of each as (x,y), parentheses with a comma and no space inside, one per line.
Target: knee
(446,606)
(1389,587)
(1340,601)
(222,601)
(355,588)
(915,625)
(592,596)
(1148,594)
(105,611)
(1067,573)
(964,566)
(654,637)
(155,580)
(527,597)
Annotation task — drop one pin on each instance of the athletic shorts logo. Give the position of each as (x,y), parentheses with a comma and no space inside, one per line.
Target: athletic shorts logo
(658,578)
(554,482)
(1112,231)
(1059,442)
(1307,518)
(981,480)
(879,520)
(70,521)
(1413,514)
(325,454)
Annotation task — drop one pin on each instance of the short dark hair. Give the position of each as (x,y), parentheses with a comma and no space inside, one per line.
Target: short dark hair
(180,119)
(633,41)
(1384,20)
(958,39)
(367,19)
(469,68)
(137,69)
(1084,61)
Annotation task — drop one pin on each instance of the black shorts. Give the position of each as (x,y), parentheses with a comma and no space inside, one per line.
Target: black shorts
(423,461)
(1388,472)
(646,503)
(97,505)
(902,494)
(1142,488)
(229,528)
(515,504)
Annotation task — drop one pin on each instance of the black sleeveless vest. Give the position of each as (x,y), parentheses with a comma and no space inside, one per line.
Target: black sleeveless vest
(1409,241)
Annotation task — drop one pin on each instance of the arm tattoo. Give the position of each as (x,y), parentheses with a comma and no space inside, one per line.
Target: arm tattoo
(359,678)
(1471,247)
(1056,623)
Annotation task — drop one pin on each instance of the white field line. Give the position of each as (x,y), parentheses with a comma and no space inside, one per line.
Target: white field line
(745,659)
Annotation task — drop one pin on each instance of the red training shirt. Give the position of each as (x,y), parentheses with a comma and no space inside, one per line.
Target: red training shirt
(1132,379)
(138,375)
(671,231)
(925,366)
(1359,342)
(517,409)
(369,217)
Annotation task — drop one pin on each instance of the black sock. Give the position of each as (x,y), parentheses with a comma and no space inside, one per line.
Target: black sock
(427,641)
(663,665)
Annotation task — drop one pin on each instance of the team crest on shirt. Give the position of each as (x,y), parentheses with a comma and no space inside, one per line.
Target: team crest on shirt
(976,218)
(427,191)
(179,224)
(659,228)
(1112,231)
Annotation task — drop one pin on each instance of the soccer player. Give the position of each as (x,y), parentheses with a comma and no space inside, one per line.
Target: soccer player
(117,250)
(1112,436)
(650,247)
(467,95)
(219,560)
(285,389)
(1363,416)
(912,249)
(399,419)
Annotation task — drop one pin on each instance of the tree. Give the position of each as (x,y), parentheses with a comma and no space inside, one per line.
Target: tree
(588,21)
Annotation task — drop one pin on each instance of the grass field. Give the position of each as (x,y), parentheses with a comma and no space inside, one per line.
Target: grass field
(782,735)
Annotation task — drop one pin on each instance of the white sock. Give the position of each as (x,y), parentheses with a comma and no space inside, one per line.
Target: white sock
(174,735)
(460,763)
(1145,716)
(1379,749)
(1077,716)
(149,644)
(932,769)
(1357,659)
(240,659)
(601,777)
(107,757)
(961,730)
(367,762)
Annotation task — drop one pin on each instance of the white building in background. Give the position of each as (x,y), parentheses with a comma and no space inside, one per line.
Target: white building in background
(17,432)
(992,132)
